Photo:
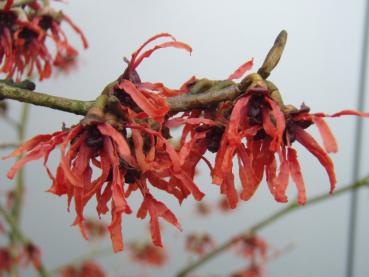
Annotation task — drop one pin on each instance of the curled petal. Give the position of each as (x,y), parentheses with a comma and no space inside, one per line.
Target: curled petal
(154,105)
(241,70)
(136,61)
(344,112)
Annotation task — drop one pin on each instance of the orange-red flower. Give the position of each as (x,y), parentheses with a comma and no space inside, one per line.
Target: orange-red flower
(252,247)
(101,147)
(257,118)
(23,37)
(147,254)
(86,269)
(8,21)
(199,243)
(31,254)
(6,260)
(82,148)
(149,99)
(253,270)
(95,229)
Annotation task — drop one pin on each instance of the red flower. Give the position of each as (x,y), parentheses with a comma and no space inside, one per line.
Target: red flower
(257,118)
(31,254)
(199,243)
(100,145)
(297,121)
(24,41)
(253,270)
(223,205)
(65,52)
(95,229)
(147,254)
(147,98)
(252,247)
(202,131)
(30,51)
(6,260)
(8,20)
(202,209)
(86,269)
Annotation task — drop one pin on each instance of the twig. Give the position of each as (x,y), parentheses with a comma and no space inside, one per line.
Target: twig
(82,258)
(20,236)
(176,103)
(5,145)
(267,221)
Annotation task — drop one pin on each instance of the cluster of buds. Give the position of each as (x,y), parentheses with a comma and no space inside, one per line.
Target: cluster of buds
(24,34)
(123,143)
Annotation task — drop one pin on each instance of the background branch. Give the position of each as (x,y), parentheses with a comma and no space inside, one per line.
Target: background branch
(267,221)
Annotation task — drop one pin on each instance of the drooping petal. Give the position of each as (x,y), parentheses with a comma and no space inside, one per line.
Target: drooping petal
(296,175)
(241,70)
(77,30)
(310,144)
(156,209)
(123,147)
(329,141)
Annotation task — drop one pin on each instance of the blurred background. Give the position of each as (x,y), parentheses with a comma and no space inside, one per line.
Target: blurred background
(320,66)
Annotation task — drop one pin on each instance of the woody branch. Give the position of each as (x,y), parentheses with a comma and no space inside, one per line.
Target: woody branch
(216,92)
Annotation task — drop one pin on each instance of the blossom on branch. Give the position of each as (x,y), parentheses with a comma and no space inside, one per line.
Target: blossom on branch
(132,154)
(24,34)
(6,260)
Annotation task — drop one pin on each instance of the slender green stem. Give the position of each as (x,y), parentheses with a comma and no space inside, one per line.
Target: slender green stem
(46,100)
(18,193)
(5,145)
(13,225)
(176,103)
(18,234)
(267,221)
(82,258)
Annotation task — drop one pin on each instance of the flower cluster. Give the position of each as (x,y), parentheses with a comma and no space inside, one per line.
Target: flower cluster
(28,254)
(88,268)
(24,35)
(131,154)
(259,130)
(147,254)
(199,243)
(123,145)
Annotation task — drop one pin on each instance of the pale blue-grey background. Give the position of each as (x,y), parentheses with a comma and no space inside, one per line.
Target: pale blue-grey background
(320,66)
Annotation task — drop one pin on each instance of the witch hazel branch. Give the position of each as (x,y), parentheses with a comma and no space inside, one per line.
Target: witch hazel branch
(125,136)
(123,143)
